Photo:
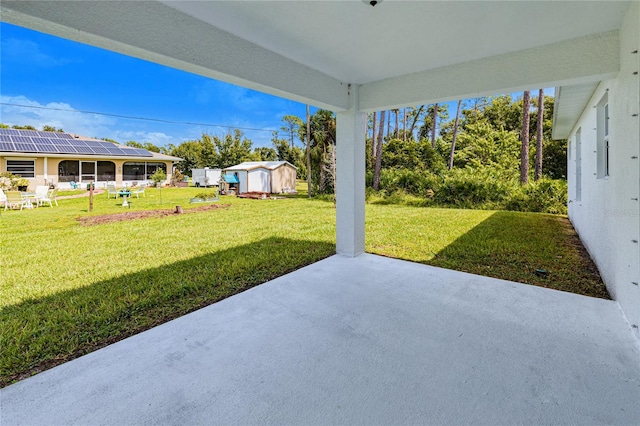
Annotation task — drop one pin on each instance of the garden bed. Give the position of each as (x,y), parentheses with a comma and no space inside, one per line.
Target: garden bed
(143,214)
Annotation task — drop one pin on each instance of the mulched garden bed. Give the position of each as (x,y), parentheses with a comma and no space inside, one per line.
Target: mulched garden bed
(143,214)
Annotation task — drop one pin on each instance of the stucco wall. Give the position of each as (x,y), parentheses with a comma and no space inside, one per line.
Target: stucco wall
(51,175)
(283,177)
(607,214)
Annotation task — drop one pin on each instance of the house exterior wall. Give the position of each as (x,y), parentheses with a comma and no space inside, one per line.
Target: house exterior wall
(283,177)
(605,210)
(258,180)
(46,169)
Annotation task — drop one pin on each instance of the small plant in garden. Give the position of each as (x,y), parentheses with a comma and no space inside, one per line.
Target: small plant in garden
(158,177)
(176,177)
(205,195)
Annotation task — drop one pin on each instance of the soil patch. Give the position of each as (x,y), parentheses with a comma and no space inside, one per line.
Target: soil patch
(143,214)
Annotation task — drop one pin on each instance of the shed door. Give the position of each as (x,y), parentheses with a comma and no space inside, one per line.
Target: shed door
(259,180)
(242,177)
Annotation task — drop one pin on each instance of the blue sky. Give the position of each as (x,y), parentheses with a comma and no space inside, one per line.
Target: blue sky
(40,70)
(45,71)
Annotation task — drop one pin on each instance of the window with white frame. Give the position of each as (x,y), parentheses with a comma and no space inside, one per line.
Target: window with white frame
(602,128)
(24,168)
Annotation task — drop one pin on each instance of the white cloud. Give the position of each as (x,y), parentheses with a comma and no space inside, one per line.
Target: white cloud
(62,116)
(29,52)
(156,138)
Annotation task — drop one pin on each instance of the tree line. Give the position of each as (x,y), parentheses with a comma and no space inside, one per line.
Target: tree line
(481,157)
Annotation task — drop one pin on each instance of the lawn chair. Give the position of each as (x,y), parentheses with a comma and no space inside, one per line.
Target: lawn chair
(73,185)
(41,192)
(50,197)
(3,199)
(137,190)
(111,190)
(15,200)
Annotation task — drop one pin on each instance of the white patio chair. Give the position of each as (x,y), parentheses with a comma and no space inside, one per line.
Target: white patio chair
(3,199)
(41,192)
(50,197)
(137,190)
(111,190)
(15,200)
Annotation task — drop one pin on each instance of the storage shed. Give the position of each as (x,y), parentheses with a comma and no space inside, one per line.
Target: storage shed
(264,176)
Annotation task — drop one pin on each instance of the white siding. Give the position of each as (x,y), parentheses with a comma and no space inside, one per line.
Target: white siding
(606,212)
(259,180)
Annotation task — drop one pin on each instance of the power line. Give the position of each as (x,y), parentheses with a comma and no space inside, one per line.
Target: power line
(129,117)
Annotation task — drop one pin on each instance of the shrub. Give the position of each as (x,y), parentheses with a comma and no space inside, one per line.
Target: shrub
(545,196)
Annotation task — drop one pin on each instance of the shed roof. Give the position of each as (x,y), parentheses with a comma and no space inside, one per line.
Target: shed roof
(269,165)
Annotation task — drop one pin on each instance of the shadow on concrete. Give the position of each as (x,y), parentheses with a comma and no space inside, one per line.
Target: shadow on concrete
(41,333)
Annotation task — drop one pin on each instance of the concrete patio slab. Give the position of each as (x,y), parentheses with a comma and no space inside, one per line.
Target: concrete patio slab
(366,340)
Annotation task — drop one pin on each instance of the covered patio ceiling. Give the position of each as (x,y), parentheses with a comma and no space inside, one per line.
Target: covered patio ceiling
(399,53)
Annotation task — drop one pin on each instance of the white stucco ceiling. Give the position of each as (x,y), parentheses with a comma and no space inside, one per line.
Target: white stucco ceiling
(399,52)
(356,43)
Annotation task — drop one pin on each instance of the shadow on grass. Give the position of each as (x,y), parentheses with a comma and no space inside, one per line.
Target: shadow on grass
(41,333)
(537,249)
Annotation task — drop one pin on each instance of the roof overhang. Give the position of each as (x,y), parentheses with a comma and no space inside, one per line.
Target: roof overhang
(313,52)
(570,101)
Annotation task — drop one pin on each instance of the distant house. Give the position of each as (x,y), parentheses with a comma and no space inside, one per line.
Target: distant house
(600,121)
(264,176)
(61,158)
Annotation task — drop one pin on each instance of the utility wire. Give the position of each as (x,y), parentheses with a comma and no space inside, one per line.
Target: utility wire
(157,120)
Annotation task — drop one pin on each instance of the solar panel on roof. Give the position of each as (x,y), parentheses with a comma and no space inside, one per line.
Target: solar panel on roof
(21,139)
(143,152)
(47,148)
(77,142)
(92,143)
(44,134)
(64,136)
(27,133)
(26,147)
(84,150)
(100,150)
(5,138)
(6,146)
(9,132)
(47,141)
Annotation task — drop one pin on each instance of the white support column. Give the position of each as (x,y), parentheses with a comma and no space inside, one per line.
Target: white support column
(350,165)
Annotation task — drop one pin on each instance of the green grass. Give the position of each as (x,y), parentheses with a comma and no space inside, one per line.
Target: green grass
(68,289)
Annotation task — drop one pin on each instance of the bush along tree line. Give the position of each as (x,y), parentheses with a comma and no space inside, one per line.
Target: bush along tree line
(480,158)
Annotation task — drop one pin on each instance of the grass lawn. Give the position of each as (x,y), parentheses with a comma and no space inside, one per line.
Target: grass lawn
(68,288)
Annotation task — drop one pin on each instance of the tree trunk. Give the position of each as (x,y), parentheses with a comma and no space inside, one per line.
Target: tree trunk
(455,133)
(404,124)
(373,138)
(308,153)
(433,126)
(524,136)
(415,120)
(538,172)
(397,132)
(376,173)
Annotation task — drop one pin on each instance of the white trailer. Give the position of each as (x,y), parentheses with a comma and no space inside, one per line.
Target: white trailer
(206,177)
